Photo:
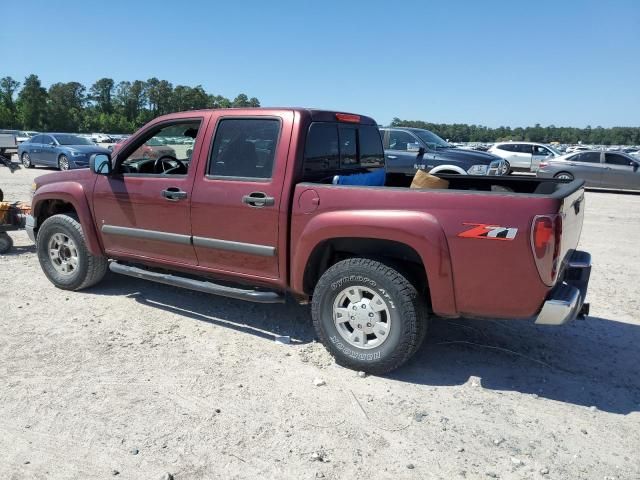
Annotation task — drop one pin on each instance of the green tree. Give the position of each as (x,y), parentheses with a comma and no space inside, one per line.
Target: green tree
(32,104)
(65,108)
(101,93)
(8,88)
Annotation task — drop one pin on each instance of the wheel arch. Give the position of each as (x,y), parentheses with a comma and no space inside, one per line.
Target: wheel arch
(68,197)
(419,249)
(446,169)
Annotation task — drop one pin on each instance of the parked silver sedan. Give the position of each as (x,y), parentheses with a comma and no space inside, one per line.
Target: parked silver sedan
(598,169)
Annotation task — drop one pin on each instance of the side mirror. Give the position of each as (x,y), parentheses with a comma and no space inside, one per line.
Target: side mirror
(100,164)
(53,144)
(635,166)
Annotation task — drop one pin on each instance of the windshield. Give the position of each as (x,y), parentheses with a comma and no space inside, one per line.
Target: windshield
(72,140)
(557,153)
(431,139)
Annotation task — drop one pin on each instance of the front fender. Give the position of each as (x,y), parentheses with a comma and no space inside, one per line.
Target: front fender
(447,168)
(417,230)
(72,193)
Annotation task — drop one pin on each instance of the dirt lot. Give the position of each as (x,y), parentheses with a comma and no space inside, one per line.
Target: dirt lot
(135,380)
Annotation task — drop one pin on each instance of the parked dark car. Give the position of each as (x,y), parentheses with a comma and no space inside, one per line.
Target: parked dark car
(60,150)
(598,169)
(409,149)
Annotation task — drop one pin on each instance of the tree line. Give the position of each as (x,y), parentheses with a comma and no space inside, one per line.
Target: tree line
(105,107)
(460,132)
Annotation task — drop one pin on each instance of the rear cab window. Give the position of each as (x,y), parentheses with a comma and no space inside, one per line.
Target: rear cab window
(333,148)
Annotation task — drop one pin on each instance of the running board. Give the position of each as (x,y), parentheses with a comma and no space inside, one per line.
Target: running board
(198,285)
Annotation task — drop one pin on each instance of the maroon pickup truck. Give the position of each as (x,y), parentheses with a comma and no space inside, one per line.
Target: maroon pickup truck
(249,208)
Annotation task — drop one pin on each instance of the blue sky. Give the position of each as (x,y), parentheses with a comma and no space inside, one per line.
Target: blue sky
(516,63)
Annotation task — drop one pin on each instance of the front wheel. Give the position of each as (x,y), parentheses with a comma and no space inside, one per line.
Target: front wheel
(26,160)
(368,315)
(64,256)
(63,162)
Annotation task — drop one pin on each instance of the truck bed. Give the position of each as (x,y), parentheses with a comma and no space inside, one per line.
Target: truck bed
(485,270)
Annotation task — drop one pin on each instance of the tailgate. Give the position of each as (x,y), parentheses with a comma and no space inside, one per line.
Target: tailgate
(572,212)
(555,236)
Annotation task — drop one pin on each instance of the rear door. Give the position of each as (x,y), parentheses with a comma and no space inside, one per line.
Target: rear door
(143,209)
(35,149)
(619,172)
(586,166)
(237,208)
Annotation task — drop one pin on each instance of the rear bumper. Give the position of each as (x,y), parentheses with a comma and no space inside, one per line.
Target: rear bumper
(566,300)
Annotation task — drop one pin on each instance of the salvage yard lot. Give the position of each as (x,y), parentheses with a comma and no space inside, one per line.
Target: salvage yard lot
(134,380)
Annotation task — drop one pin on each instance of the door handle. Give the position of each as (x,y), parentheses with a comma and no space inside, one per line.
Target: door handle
(174,194)
(258,199)
(392,157)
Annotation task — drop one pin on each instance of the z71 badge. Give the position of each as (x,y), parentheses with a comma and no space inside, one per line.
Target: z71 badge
(489,232)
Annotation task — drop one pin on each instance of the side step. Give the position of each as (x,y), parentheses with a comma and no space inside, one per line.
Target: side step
(198,285)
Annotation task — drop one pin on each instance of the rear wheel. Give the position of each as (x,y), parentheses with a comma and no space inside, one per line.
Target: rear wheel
(26,160)
(63,162)
(6,242)
(368,315)
(64,256)
(563,176)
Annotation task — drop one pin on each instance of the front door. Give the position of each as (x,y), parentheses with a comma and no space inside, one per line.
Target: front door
(619,172)
(236,207)
(48,151)
(142,209)
(401,150)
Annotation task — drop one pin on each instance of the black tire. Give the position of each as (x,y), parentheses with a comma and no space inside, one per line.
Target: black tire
(507,168)
(6,242)
(407,315)
(63,163)
(563,176)
(26,161)
(90,268)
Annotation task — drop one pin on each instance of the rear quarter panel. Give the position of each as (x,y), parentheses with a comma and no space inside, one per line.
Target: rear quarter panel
(467,276)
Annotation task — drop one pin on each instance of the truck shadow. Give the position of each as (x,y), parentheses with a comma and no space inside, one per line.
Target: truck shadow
(589,363)
(264,321)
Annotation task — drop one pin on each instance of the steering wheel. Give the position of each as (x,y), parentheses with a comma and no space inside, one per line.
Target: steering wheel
(165,160)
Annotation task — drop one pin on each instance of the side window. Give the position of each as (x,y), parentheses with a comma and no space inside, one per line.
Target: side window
(371,151)
(615,159)
(587,157)
(165,150)
(524,148)
(47,139)
(37,139)
(244,147)
(321,152)
(399,140)
(348,146)
(540,151)
(506,147)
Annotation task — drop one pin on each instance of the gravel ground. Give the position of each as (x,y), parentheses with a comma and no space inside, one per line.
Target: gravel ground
(141,381)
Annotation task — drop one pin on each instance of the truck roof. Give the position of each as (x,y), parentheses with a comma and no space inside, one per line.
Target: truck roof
(315,115)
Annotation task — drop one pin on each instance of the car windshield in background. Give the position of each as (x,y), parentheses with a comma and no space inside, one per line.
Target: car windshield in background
(72,140)
(431,139)
(555,152)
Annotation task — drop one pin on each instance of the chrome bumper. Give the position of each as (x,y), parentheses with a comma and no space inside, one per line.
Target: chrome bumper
(566,301)
(30,226)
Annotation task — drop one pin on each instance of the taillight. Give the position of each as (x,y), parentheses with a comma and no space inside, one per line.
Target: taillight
(546,238)
(542,235)
(348,117)
(543,164)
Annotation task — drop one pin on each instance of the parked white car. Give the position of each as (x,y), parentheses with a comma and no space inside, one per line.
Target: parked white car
(524,156)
